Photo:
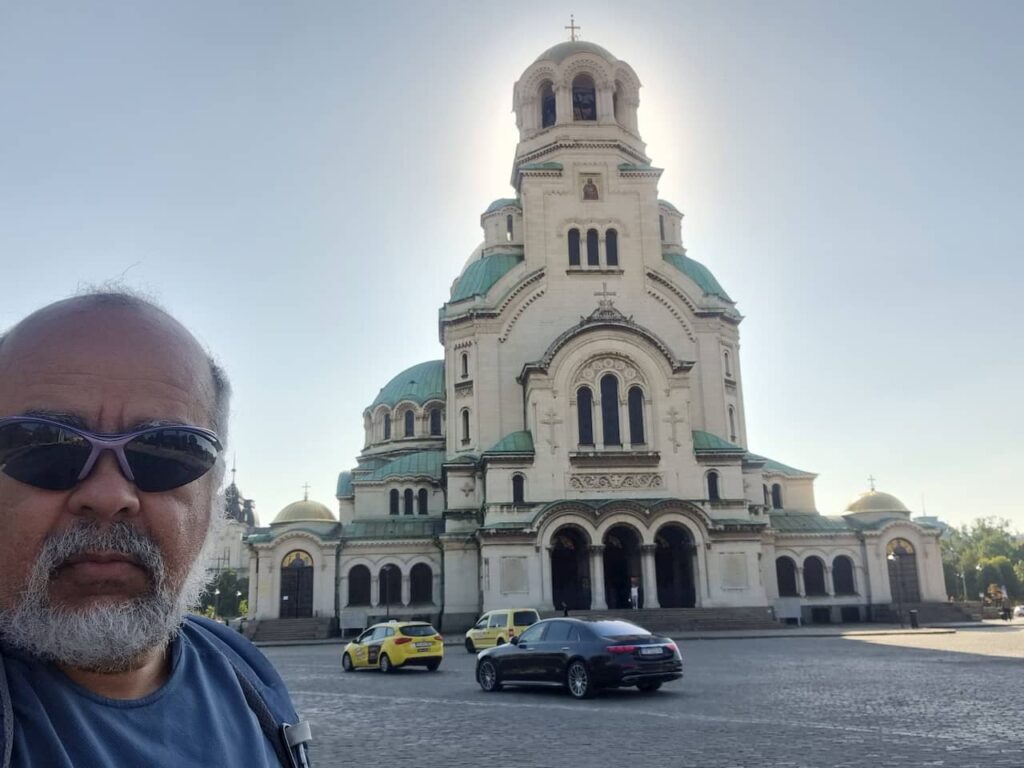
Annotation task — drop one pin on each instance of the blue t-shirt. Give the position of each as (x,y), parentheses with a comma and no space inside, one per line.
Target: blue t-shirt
(199,717)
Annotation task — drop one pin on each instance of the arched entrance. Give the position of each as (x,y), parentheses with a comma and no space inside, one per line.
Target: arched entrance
(570,569)
(674,567)
(902,561)
(621,565)
(296,585)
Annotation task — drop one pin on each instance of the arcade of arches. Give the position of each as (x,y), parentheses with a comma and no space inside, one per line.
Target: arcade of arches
(586,576)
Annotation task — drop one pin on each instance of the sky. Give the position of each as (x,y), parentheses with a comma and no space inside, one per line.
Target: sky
(300,183)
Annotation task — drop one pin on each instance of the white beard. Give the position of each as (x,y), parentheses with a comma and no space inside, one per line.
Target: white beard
(107,637)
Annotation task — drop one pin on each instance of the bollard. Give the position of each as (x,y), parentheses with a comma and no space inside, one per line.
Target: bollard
(913,618)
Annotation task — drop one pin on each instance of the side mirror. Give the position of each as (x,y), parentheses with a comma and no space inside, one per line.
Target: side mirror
(514,640)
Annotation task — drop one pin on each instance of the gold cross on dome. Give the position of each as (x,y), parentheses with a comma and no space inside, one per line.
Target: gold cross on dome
(573,29)
(871,480)
(305,488)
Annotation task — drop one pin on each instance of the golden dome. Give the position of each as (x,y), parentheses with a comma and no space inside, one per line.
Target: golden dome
(304,511)
(876,501)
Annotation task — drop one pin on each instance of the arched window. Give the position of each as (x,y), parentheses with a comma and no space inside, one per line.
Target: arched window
(387,426)
(518,490)
(814,576)
(776,496)
(785,574)
(421,501)
(393,505)
(661,226)
(713,494)
(435,422)
(410,424)
(842,576)
(611,247)
(548,110)
(574,247)
(636,416)
(728,364)
(508,228)
(610,409)
(421,584)
(359,585)
(465,426)
(593,259)
(585,415)
(408,501)
(465,365)
(584,98)
(732,424)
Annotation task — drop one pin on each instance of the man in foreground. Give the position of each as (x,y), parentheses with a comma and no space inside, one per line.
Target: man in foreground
(112,421)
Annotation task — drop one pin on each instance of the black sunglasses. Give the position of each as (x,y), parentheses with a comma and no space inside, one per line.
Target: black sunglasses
(55,457)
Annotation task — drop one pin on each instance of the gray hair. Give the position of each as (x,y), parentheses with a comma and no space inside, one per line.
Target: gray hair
(117,295)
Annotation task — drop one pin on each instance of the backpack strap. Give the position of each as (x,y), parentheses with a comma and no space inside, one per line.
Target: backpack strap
(6,718)
(290,741)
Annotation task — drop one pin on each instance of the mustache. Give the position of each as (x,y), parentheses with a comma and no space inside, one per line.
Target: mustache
(88,537)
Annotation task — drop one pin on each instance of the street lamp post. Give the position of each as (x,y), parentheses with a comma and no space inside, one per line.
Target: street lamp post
(216,602)
(387,594)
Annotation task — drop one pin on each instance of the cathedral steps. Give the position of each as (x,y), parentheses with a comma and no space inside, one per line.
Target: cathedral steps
(931,613)
(670,620)
(278,630)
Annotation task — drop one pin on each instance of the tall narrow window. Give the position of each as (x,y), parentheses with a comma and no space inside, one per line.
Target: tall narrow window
(611,247)
(393,508)
(713,494)
(636,416)
(584,98)
(518,490)
(464,362)
(387,426)
(465,427)
(410,424)
(732,424)
(548,110)
(574,247)
(435,422)
(592,256)
(661,226)
(408,501)
(728,364)
(508,228)
(610,409)
(421,501)
(585,411)
(776,496)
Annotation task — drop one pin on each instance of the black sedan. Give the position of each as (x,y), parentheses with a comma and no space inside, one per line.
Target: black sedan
(583,656)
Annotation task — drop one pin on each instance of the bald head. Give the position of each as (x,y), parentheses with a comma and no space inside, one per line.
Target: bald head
(109,324)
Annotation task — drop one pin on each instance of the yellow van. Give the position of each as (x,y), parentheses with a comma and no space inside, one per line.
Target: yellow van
(497,626)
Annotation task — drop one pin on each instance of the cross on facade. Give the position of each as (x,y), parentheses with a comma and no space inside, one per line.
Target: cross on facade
(550,420)
(674,418)
(305,488)
(467,488)
(871,480)
(573,29)
(603,301)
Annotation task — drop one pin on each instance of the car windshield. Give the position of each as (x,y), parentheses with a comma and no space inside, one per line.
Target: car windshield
(618,629)
(418,630)
(525,618)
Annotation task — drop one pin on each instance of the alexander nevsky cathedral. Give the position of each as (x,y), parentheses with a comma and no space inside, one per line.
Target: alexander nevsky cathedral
(584,431)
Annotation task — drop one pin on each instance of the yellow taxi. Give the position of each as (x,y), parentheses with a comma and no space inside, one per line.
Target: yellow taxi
(395,644)
(497,627)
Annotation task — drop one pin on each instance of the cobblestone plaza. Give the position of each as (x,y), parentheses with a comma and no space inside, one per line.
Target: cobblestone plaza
(797,701)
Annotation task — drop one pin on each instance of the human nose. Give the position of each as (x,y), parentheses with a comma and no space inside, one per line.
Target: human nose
(105,493)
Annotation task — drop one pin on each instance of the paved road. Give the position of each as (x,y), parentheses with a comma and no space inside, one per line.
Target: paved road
(794,702)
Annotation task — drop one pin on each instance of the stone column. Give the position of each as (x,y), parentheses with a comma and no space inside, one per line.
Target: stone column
(545,577)
(605,105)
(650,576)
(598,600)
(406,589)
(253,596)
(375,590)
(563,104)
(830,587)
(800,590)
(624,434)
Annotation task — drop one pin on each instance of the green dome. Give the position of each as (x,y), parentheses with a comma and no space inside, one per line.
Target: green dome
(420,383)
(481,275)
(410,465)
(697,272)
(563,51)
(304,511)
(504,202)
(876,501)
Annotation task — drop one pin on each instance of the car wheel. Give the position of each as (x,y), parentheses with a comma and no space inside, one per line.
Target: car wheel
(470,648)
(433,665)
(487,676)
(648,686)
(577,680)
(385,664)
(346,663)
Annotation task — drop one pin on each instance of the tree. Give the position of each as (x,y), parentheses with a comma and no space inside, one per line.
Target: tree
(227,603)
(982,553)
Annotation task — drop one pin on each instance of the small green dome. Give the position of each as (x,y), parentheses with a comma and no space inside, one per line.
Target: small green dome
(876,501)
(420,383)
(563,51)
(304,511)
(481,275)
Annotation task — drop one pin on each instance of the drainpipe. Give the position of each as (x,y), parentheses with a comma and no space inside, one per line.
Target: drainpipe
(867,571)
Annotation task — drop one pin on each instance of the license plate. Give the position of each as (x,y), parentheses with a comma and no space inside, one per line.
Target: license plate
(651,650)
(423,646)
